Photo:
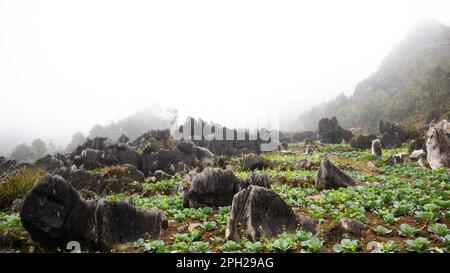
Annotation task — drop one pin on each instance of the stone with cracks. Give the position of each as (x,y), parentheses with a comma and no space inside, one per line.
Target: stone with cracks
(253,162)
(362,141)
(376,148)
(330,176)
(211,188)
(438,145)
(256,179)
(345,229)
(54,214)
(330,132)
(258,211)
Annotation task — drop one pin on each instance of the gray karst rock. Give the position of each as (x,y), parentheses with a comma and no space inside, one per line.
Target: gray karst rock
(417,144)
(123,139)
(252,162)
(91,158)
(49,163)
(391,141)
(258,211)
(159,136)
(392,135)
(416,154)
(345,229)
(54,214)
(119,153)
(160,175)
(397,159)
(303,164)
(330,176)
(114,179)
(211,188)
(438,145)
(362,141)
(256,179)
(330,132)
(376,148)
(423,163)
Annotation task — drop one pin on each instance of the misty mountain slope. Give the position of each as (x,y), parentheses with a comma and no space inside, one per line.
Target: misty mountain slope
(411,86)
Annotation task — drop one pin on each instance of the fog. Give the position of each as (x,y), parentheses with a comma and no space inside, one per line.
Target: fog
(67,65)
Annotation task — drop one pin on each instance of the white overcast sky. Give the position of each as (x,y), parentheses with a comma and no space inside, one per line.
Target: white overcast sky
(66,65)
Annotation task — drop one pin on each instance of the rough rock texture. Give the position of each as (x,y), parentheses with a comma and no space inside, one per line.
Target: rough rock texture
(417,144)
(256,179)
(362,141)
(345,229)
(49,163)
(330,176)
(91,158)
(309,149)
(160,175)
(54,213)
(211,188)
(114,180)
(253,162)
(423,163)
(397,159)
(257,212)
(120,153)
(123,139)
(303,164)
(418,154)
(392,135)
(438,145)
(376,148)
(330,132)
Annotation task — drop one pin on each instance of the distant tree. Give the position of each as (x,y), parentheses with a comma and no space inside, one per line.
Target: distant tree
(78,138)
(38,148)
(22,152)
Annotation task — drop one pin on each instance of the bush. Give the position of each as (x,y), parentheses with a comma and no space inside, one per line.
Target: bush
(18,184)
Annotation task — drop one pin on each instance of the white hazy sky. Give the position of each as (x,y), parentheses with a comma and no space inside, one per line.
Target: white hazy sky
(66,65)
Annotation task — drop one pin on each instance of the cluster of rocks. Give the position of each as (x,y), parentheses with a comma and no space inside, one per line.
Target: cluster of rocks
(54,213)
(392,136)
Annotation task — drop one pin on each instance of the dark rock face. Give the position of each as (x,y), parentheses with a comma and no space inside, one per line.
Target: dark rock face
(123,139)
(166,160)
(257,212)
(331,177)
(362,141)
(160,175)
(119,153)
(256,179)
(91,158)
(392,135)
(49,163)
(6,165)
(417,144)
(253,162)
(159,136)
(115,180)
(438,145)
(376,148)
(330,132)
(54,214)
(345,229)
(211,188)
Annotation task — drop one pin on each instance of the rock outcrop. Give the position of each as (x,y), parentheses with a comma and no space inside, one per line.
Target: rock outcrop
(257,212)
(253,162)
(330,176)
(362,141)
(376,148)
(54,214)
(438,145)
(211,188)
(330,132)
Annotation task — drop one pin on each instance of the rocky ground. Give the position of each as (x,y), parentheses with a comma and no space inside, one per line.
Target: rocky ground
(158,195)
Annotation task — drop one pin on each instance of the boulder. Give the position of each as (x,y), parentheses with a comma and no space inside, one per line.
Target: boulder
(418,154)
(303,164)
(91,158)
(212,187)
(330,176)
(330,132)
(345,229)
(391,141)
(253,162)
(417,144)
(120,153)
(423,163)
(49,163)
(376,148)
(438,145)
(54,214)
(397,159)
(160,175)
(256,179)
(392,135)
(258,212)
(362,141)
(309,150)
